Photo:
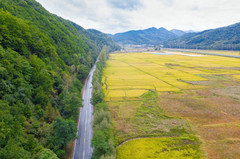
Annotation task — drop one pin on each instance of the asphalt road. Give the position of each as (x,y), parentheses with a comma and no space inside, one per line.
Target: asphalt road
(82,148)
(204,53)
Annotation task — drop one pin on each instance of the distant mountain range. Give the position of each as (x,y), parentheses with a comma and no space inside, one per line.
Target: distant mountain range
(226,38)
(151,36)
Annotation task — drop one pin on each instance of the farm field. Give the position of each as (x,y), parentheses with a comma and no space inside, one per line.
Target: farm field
(158,148)
(191,97)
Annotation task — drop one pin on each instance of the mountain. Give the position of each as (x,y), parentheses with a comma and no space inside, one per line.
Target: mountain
(190,31)
(152,36)
(226,38)
(177,32)
(44,60)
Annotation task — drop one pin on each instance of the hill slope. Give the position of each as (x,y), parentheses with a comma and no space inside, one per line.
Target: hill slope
(62,33)
(226,38)
(151,36)
(43,59)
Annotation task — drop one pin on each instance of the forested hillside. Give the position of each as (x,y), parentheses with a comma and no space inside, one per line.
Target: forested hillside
(224,38)
(43,61)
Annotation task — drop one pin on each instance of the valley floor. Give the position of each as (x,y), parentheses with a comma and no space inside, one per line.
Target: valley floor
(186,106)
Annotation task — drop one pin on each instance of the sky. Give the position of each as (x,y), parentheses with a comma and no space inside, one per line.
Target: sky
(115,16)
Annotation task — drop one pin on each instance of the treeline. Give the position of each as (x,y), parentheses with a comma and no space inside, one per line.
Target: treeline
(103,138)
(43,61)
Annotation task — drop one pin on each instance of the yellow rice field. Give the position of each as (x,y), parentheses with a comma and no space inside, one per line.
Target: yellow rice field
(158,148)
(131,75)
(202,90)
(236,76)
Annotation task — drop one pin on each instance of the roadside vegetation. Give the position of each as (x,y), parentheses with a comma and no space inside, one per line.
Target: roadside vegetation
(173,97)
(102,126)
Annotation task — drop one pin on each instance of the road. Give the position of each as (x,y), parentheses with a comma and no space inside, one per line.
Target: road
(82,148)
(204,53)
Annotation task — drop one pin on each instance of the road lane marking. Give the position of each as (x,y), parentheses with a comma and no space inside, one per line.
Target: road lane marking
(83,155)
(84,140)
(85,128)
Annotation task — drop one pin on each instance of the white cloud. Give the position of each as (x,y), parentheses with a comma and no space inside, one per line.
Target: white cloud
(112,16)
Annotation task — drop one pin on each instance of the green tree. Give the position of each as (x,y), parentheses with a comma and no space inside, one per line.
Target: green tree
(64,130)
(102,143)
(14,150)
(72,102)
(47,154)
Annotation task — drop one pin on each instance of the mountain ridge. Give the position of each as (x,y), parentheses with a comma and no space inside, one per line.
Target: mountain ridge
(178,32)
(151,36)
(225,38)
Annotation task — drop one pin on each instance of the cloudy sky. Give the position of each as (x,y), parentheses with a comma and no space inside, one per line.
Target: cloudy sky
(113,16)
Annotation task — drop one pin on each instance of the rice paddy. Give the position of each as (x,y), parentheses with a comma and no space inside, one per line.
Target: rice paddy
(195,96)
(159,148)
(131,75)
